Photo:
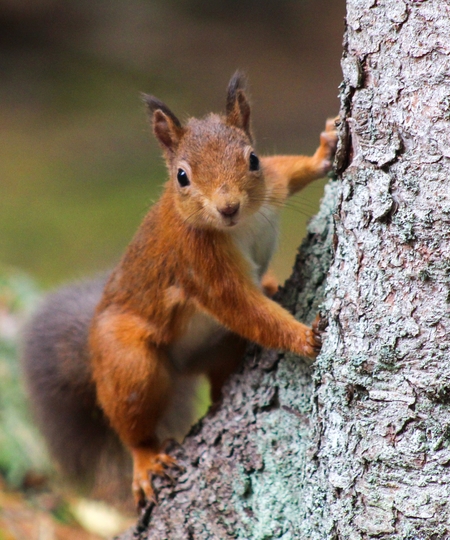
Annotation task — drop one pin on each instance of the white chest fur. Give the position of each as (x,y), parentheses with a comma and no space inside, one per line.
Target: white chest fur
(256,240)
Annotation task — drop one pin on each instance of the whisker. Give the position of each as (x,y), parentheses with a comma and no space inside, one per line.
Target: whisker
(189,218)
(260,211)
(301,203)
(304,209)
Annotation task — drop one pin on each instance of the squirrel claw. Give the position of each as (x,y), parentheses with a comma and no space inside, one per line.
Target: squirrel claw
(143,493)
(169,477)
(318,327)
(148,464)
(310,344)
(328,143)
(312,339)
(332,123)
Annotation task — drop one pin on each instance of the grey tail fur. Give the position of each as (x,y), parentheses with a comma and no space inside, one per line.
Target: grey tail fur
(57,372)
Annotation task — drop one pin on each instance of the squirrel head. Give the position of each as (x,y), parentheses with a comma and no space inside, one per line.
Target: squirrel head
(215,175)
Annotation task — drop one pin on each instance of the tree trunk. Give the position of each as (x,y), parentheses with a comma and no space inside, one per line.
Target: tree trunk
(383,389)
(357,446)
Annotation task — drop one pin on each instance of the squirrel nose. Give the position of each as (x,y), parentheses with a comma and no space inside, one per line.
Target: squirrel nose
(230,209)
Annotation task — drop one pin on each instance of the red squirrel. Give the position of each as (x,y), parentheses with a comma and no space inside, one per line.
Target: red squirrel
(190,291)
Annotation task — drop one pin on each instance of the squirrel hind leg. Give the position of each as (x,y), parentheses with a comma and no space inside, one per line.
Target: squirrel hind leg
(181,411)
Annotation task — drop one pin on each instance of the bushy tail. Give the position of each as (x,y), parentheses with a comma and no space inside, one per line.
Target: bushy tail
(62,393)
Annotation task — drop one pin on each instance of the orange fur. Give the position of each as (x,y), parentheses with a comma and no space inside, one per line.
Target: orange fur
(189,287)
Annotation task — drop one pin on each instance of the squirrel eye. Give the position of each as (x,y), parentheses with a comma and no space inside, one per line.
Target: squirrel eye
(182,178)
(254,162)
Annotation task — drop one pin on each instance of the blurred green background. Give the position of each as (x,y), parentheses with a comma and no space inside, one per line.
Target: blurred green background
(78,165)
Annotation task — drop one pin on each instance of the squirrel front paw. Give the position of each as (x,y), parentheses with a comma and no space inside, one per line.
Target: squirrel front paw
(310,341)
(328,143)
(314,343)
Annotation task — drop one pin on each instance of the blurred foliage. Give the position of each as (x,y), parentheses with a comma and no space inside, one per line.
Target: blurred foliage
(49,516)
(21,447)
(42,511)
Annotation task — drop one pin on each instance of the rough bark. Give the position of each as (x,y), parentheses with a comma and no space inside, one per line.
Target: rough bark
(357,446)
(383,379)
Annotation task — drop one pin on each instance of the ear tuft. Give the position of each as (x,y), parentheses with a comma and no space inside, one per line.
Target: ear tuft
(238,107)
(166,126)
(154,104)
(237,82)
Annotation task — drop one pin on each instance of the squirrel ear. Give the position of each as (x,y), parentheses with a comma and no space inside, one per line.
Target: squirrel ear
(166,126)
(238,107)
